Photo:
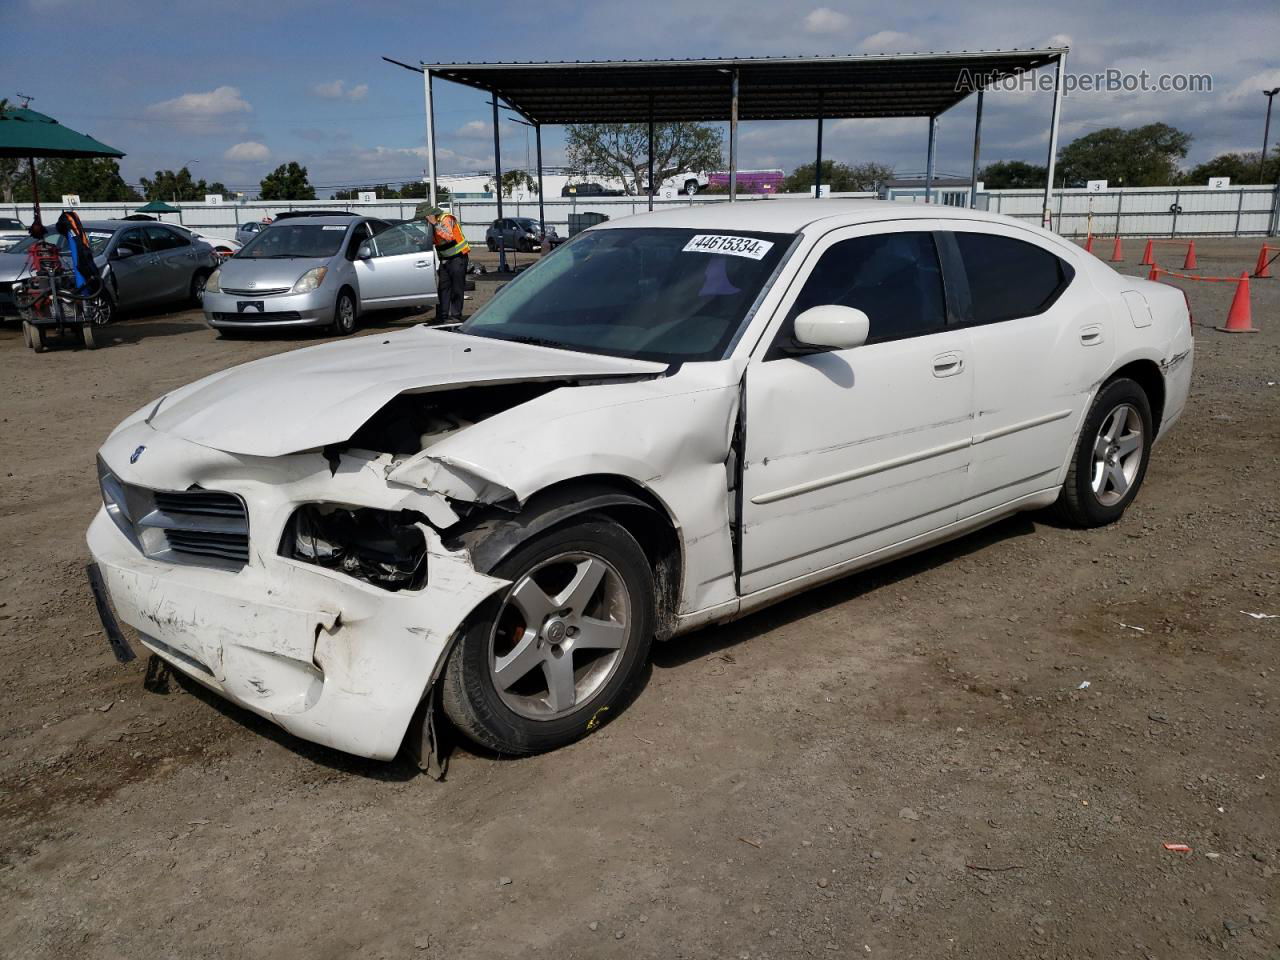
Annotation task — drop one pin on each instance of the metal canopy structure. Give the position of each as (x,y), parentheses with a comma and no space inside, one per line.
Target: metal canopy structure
(770,88)
(864,86)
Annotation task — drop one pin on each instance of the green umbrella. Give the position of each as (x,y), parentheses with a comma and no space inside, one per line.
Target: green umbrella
(157,206)
(26,133)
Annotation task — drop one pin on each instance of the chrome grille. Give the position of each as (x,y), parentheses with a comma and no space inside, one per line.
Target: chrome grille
(196,526)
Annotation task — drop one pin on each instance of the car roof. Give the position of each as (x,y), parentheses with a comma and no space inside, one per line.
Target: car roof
(331,220)
(791,216)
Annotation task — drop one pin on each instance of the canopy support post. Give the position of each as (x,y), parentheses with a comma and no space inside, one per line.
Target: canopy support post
(977,146)
(651,184)
(431,135)
(542,210)
(1046,219)
(497,186)
(35,199)
(733,139)
(817,163)
(928,169)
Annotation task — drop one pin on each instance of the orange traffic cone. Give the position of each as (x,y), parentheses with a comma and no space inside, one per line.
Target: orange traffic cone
(1190,262)
(1088,244)
(1263,269)
(1117,254)
(1147,259)
(1154,274)
(1240,316)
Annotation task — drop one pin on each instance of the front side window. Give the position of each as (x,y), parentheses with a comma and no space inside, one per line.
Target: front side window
(894,278)
(670,295)
(402,238)
(1010,278)
(132,243)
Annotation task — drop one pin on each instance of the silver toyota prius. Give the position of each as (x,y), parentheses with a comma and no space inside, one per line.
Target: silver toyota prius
(322,272)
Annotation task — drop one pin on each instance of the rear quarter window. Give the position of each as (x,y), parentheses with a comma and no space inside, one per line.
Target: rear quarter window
(1010,278)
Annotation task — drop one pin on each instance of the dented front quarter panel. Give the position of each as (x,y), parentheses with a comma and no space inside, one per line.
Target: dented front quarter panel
(669,436)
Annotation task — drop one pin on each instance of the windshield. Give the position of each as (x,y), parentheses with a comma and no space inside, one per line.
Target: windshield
(295,240)
(526,223)
(649,293)
(98,240)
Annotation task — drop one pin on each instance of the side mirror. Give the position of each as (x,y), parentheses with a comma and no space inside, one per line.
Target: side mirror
(364,252)
(123,253)
(832,327)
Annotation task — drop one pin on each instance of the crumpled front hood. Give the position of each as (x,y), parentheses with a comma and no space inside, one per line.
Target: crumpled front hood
(306,399)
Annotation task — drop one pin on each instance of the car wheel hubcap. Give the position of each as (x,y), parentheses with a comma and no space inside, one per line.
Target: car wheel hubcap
(1117,454)
(560,636)
(347,314)
(200,290)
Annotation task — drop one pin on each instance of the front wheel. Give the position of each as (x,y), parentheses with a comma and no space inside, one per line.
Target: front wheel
(198,283)
(563,649)
(1111,456)
(344,314)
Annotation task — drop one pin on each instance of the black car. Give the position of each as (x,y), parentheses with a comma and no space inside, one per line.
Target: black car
(590,189)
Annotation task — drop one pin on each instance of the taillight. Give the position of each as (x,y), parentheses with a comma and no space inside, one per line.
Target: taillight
(1190,320)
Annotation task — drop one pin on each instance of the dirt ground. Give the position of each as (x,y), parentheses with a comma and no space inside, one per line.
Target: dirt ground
(903,764)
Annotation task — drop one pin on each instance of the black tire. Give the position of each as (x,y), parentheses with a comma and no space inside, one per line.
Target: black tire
(493,247)
(345,315)
(198,280)
(1079,504)
(469,691)
(690,187)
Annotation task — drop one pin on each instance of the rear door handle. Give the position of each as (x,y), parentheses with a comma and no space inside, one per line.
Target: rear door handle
(1091,335)
(947,364)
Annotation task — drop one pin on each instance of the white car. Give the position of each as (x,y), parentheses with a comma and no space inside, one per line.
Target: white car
(672,421)
(12,231)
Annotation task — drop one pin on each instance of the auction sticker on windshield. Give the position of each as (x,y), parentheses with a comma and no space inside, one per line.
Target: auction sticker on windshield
(734,246)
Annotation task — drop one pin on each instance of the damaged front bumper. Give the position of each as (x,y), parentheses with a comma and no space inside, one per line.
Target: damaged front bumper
(329,658)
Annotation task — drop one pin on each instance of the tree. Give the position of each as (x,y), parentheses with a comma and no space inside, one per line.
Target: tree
(172,187)
(621,151)
(287,182)
(95,180)
(514,180)
(1240,167)
(1012,175)
(838,177)
(1142,157)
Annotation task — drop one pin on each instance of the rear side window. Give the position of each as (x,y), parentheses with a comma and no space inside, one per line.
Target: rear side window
(162,239)
(893,278)
(1010,278)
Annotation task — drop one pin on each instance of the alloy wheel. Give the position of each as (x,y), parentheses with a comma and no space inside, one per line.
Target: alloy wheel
(1117,454)
(560,635)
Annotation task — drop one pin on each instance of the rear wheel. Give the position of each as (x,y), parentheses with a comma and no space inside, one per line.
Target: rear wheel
(344,314)
(1110,461)
(562,649)
(691,187)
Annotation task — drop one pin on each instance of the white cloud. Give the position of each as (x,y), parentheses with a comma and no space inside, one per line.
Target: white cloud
(475,128)
(248,152)
(338,90)
(826,20)
(891,41)
(218,102)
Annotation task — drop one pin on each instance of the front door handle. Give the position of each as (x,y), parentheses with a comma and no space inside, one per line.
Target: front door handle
(1091,335)
(948,364)
(423,263)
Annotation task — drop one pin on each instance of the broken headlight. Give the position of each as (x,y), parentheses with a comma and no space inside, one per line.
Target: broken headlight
(385,548)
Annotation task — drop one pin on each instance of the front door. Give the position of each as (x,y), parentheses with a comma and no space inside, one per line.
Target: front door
(176,262)
(851,451)
(402,270)
(134,267)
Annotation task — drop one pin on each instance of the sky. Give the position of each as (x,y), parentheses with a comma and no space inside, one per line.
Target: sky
(234,88)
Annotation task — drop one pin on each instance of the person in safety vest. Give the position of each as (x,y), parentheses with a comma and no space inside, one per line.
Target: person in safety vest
(451,249)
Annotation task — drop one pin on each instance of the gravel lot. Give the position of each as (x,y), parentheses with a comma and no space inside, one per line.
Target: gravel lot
(900,765)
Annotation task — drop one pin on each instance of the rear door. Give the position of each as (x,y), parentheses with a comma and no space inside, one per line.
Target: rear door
(402,270)
(176,261)
(1041,341)
(851,451)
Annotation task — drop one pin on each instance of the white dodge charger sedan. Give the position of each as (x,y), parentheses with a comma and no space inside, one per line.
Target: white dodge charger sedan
(669,422)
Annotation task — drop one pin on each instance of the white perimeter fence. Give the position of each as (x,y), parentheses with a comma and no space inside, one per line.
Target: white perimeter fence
(1139,211)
